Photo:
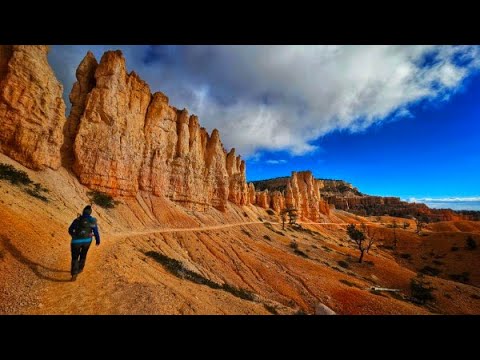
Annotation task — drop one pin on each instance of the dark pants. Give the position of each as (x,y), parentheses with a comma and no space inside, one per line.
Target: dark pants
(79,256)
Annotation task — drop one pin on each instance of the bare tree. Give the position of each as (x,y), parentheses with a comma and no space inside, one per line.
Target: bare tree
(359,238)
(370,234)
(420,221)
(283,215)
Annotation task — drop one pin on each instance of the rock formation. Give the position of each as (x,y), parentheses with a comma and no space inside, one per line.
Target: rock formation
(85,75)
(32,111)
(125,140)
(301,191)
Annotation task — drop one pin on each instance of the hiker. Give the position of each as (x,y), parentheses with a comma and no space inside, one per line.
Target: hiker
(82,229)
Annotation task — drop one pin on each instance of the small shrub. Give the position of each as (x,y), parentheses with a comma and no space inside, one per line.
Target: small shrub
(428,270)
(101,199)
(270,212)
(406,256)
(300,253)
(420,291)
(315,246)
(245,214)
(271,309)
(246,233)
(259,218)
(36,194)
(471,243)
(266,237)
(14,176)
(463,277)
(343,264)
(369,262)
(280,233)
(294,245)
(454,248)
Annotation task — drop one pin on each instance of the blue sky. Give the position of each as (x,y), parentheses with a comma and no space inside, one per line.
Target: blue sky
(393,120)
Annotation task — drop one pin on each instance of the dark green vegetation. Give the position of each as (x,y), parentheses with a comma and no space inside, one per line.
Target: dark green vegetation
(177,268)
(421,292)
(101,199)
(21,179)
(270,212)
(343,264)
(428,270)
(471,243)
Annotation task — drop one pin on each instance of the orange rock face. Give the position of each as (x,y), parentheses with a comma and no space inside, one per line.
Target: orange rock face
(85,75)
(32,111)
(125,140)
(277,202)
(263,199)
(109,144)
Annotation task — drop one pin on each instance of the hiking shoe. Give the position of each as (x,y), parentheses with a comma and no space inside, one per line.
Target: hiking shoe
(74,277)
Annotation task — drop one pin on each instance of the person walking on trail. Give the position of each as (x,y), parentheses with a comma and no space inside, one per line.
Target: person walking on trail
(82,229)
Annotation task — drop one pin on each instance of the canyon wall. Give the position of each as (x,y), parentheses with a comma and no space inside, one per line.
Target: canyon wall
(32,111)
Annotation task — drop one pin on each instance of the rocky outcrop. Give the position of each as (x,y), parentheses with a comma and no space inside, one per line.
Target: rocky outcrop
(126,140)
(238,189)
(109,143)
(277,201)
(251,193)
(32,111)
(263,199)
(304,195)
(85,75)
(301,191)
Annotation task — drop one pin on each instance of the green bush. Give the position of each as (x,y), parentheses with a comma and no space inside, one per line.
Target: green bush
(343,264)
(428,270)
(14,176)
(294,245)
(471,243)
(266,237)
(101,199)
(270,212)
(420,291)
(20,178)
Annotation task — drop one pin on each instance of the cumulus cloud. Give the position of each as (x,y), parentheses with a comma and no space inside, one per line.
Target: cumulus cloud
(276,162)
(285,97)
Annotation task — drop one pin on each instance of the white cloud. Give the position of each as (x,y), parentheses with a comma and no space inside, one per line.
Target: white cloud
(284,97)
(446,199)
(276,162)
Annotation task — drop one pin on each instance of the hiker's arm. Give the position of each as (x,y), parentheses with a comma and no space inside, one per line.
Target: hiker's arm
(97,235)
(71,228)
